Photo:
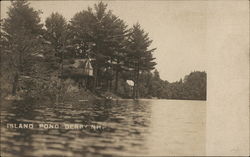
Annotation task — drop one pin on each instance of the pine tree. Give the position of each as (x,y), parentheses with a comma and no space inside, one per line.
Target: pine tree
(116,41)
(23,31)
(81,34)
(139,57)
(99,34)
(56,32)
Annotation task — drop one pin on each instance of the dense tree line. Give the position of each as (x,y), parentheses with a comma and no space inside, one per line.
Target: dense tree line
(193,87)
(34,55)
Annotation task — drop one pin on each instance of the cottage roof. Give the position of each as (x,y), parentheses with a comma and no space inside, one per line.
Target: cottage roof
(79,67)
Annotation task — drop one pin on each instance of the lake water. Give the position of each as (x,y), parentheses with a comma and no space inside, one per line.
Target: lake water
(122,127)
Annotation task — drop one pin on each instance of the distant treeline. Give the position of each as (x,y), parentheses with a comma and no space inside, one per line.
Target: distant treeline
(192,87)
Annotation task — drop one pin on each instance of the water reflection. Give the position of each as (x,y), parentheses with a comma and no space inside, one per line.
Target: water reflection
(145,127)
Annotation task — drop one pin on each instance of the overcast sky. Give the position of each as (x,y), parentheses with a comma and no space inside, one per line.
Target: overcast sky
(177,28)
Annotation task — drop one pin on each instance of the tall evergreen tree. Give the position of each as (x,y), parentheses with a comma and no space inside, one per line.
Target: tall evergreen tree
(56,32)
(23,32)
(139,55)
(81,34)
(99,34)
(116,42)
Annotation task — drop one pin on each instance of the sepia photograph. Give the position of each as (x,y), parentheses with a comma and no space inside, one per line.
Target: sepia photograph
(122,78)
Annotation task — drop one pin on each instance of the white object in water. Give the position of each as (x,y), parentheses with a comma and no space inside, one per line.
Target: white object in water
(130,82)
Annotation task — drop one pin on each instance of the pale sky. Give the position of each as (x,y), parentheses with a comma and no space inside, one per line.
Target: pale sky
(177,28)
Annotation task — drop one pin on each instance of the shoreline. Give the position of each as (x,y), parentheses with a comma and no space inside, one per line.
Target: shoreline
(19,98)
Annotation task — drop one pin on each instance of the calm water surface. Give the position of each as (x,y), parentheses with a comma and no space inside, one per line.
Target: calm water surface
(129,128)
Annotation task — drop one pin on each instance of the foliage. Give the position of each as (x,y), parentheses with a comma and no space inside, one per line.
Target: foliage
(33,57)
(192,88)
(56,32)
(139,57)
(97,33)
(29,59)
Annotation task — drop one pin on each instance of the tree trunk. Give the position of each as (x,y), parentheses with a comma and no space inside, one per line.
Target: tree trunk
(117,76)
(137,85)
(62,57)
(15,84)
(136,89)
(16,76)
(96,77)
(107,85)
(116,80)
(20,66)
(110,84)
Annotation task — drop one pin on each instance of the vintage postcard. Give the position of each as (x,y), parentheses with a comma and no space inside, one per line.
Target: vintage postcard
(124,78)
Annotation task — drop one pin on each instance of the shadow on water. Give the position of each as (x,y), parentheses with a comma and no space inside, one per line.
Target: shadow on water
(16,141)
(120,127)
(123,126)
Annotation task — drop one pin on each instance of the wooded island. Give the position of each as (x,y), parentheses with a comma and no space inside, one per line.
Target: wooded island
(93,55)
